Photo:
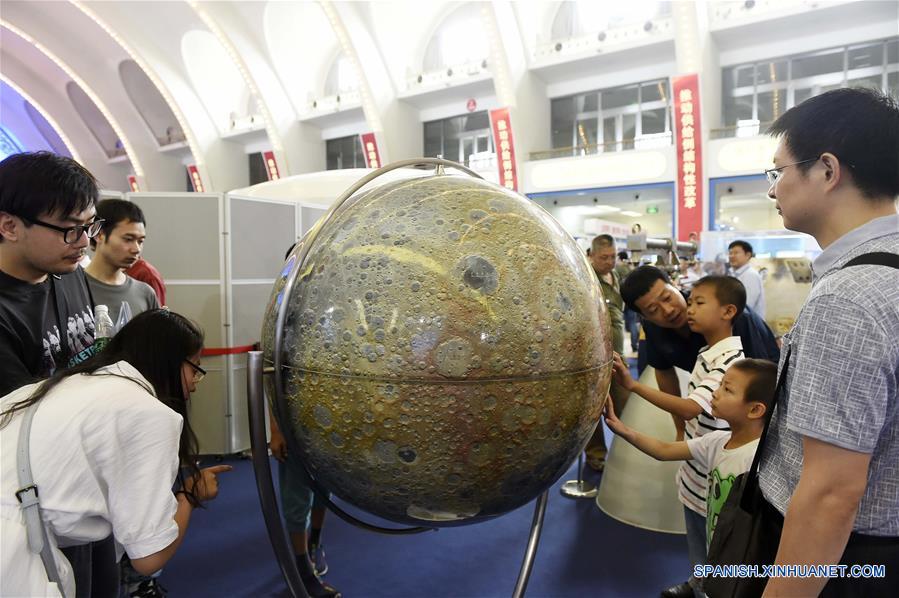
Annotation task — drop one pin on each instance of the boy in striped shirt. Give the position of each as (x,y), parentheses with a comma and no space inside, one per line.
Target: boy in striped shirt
(713,305)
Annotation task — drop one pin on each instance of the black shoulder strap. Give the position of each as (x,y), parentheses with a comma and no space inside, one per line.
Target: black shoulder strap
(751,490)
(781,379)
(876,258)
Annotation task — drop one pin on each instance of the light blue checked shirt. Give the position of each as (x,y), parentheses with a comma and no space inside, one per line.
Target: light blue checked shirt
(841,387)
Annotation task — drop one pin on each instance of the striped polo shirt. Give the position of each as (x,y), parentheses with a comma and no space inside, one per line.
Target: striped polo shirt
(711,363)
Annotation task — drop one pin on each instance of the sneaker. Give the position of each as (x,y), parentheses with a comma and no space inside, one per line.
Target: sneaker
(147,588)
(315,586)
(681,590)
(322,589)
(317,556)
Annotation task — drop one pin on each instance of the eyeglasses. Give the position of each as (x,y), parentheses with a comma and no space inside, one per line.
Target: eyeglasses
(773,174)
(199,373)
(71,234)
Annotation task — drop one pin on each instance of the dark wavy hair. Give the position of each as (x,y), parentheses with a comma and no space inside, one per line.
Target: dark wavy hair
(155,343)
(34,184)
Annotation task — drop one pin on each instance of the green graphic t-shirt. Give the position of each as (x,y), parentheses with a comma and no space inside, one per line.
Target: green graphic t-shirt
(723,465)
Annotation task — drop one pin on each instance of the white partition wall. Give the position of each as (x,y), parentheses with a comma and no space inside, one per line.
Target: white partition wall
(185,242)
(219,255)
(260,233)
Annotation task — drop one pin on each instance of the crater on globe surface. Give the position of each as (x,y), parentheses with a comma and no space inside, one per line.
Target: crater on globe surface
(446,353)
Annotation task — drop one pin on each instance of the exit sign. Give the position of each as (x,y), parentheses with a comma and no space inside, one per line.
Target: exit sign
(652,209)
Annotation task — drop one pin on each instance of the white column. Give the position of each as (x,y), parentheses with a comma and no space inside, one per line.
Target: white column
(516,87)
(396,124)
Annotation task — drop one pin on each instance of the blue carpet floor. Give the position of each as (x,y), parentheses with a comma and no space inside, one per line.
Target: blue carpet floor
(582,552)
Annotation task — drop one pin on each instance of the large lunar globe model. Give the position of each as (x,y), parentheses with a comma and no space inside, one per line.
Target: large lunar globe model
(445,350)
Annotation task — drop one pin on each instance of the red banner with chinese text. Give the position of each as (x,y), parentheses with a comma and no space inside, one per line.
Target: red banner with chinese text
(271,166)
(688,133)
(505,148)
(195,180)
(370,149)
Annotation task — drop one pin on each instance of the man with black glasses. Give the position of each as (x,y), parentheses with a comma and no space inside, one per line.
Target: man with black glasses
(829,464)
(47,216)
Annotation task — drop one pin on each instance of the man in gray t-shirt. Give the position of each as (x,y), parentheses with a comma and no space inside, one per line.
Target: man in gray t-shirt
(116,248)
(829,465)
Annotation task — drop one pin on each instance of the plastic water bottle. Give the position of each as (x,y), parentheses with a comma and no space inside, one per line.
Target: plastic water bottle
(105,329)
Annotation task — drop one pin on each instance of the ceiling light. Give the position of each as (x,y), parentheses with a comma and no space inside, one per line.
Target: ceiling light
(630,213)
(604,209)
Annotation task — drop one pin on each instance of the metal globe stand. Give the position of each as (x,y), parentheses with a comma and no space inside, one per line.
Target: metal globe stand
(578,488)
(256,411)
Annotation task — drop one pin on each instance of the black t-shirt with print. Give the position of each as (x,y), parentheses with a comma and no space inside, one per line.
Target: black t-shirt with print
(33,340)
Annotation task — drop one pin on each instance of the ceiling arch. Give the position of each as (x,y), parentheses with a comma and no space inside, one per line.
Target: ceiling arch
(153,32)
(32,74)
(150,104)
(221,89)
(47,118)
(85,87)
(302,78)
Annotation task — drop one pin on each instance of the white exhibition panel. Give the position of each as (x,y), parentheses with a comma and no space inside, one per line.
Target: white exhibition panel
(185,242)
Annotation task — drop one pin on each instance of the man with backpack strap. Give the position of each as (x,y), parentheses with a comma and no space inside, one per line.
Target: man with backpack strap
(829,465)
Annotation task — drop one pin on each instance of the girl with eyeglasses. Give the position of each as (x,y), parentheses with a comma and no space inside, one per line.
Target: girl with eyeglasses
(110,441)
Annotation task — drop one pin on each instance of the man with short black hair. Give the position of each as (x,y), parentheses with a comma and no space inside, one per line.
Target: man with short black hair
(739,254)
(47,215)
(829,465)
(117,247)
(649,292)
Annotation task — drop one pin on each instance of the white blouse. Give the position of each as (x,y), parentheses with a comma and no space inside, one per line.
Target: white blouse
(104,455)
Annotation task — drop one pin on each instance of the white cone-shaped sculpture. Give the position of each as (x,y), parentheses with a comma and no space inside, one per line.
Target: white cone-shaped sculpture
(635,488)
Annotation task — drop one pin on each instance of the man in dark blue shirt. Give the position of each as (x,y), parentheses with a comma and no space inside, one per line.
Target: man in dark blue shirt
(670,343)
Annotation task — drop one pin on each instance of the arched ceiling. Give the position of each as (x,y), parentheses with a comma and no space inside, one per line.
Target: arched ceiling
(281,51)
(265,60)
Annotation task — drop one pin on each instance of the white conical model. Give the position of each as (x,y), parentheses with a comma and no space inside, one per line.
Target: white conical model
(637,489)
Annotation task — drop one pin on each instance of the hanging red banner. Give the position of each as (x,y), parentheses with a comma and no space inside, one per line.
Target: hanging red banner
(132,183)
(505,148)
(271,166)
(195,180)
(688,133)
(370,147)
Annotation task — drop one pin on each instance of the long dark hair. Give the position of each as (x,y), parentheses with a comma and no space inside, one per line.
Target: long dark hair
(155,343)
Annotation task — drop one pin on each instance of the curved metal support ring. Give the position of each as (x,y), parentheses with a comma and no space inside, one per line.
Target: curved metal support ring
(276,533)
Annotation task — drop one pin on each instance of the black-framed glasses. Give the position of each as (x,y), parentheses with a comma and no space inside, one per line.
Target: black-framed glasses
(773,174)
(71,234)
(199,373)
